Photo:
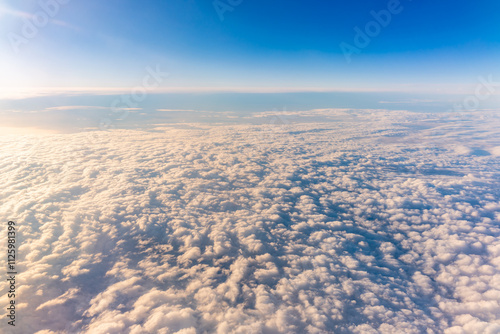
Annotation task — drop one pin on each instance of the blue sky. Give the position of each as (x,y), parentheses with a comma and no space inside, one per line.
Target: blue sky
(426,46)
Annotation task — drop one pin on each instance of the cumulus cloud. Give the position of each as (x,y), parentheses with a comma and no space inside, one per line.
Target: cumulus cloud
(379,222)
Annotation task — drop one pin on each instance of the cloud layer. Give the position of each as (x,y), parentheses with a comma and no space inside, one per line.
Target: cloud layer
(373,222)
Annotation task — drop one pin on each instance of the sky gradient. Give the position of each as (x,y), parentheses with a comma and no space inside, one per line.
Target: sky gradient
(283,45)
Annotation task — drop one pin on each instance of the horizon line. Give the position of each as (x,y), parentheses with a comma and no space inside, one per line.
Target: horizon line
(16,93)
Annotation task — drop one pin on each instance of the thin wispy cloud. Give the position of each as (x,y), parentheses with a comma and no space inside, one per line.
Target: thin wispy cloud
(5,10)
(13,12)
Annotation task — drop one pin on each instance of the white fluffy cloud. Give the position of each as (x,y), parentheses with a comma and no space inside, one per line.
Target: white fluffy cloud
(373,222)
